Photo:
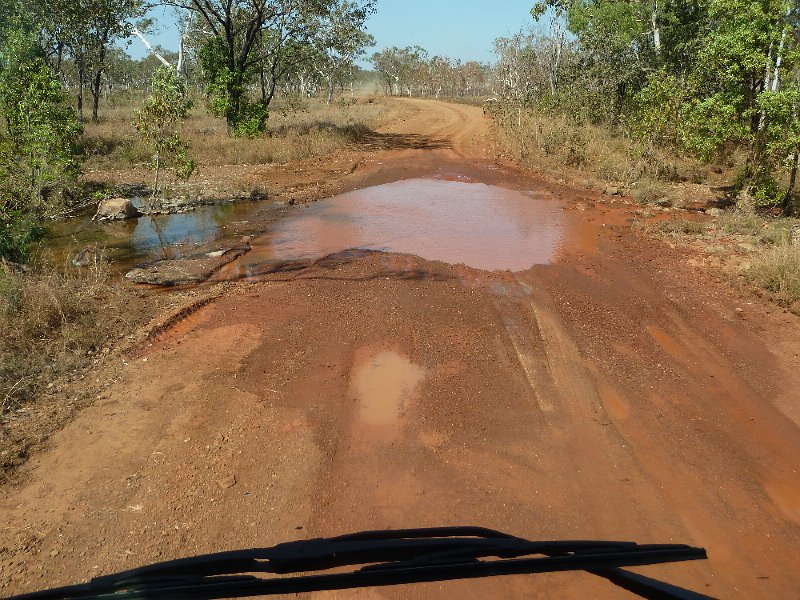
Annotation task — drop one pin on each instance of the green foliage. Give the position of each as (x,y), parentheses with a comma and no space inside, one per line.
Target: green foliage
(38,142)
(18,230)
(226,90)
(660,105)
(41,131)
(702,77)
(158,121)
(711,122)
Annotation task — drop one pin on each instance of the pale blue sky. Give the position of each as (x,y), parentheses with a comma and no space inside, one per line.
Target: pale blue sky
(464,29)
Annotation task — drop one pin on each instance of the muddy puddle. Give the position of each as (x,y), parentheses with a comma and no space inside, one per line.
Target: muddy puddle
(452,221)
(383,385)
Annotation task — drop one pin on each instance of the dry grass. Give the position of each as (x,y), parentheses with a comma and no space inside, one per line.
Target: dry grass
(54,322)
(777,270)
(682,227)
(313,130)
(763,230)
(593,155)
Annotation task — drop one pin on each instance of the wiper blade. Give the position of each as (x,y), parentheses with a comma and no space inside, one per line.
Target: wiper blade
(386,558)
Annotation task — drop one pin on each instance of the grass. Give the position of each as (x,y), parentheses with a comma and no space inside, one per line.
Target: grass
(54,322)
(295,133)
(683,227)
(777,270)
(551,143)
(649,191)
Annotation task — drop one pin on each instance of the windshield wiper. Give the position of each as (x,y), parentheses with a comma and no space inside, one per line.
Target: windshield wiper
(385,558)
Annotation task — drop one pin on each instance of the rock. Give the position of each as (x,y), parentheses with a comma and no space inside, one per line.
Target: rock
(227,482)
(88,256)
(257,195)
(714,212)
(116,209)
(185,271)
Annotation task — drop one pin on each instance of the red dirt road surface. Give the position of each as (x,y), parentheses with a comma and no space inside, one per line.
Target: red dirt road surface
(615,393)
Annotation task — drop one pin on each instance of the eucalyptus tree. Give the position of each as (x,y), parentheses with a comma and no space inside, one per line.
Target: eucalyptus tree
(400,68)
(88,30)
(246,41)
(341,39)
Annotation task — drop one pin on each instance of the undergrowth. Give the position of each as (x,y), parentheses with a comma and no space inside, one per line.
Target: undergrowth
(777,270)
(53,323)
(294,133)
(547,141)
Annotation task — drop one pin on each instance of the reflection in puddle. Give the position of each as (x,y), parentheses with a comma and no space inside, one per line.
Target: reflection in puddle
(383,385)
(148,238)
(482,226)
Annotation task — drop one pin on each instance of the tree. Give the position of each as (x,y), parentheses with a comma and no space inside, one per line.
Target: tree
(340,40)
(38,138)
(88,29)
(158,121)
(244,41)
(400,68)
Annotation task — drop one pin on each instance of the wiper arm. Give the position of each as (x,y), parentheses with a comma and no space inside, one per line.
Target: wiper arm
(386,558)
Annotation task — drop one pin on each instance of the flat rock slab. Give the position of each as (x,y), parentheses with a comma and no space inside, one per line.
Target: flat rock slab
(188,270)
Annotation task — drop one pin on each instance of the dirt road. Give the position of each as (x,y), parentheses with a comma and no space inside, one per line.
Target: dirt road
(617,393)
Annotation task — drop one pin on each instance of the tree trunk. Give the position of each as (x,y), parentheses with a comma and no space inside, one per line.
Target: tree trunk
(234,90)
(330,89)
(786,205)
(656,29)
(263,82)
(81,78)
(154,197)
(95,88)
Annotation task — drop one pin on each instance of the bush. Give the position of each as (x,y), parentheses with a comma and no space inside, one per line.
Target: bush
(649,192)
(17,231)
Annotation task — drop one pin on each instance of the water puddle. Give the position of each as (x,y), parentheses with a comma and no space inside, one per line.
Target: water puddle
(127,243)
(384,385)
(481,226)
(450,219)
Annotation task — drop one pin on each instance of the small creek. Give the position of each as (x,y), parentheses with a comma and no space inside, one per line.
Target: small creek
(475,224)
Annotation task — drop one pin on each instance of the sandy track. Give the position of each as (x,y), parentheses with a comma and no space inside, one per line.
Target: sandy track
(615,394)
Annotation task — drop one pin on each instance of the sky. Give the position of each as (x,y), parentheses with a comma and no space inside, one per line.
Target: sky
(464,29)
